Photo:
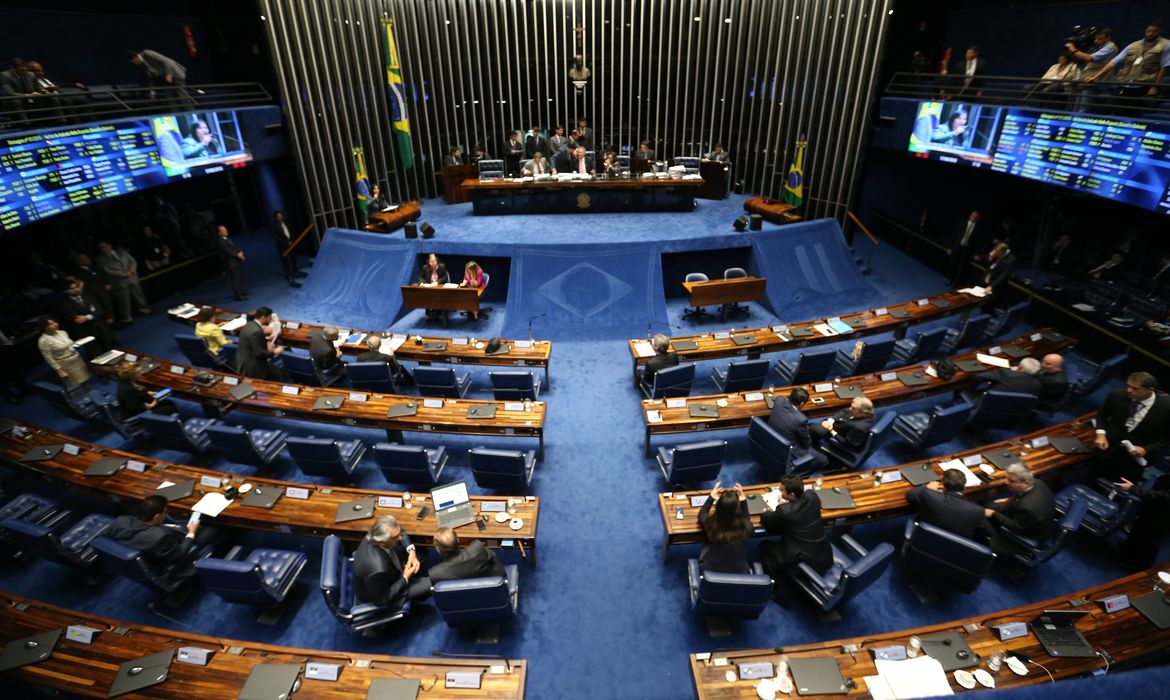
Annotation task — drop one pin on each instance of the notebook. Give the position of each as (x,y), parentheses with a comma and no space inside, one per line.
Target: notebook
(1058,633)
(1002,459)
(915,378)
(105,467)
(393,689)
(799,332)
(683,345)
(402,410)
(1014,351)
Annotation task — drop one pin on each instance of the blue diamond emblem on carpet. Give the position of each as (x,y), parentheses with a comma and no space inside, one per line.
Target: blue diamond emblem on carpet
(584,290)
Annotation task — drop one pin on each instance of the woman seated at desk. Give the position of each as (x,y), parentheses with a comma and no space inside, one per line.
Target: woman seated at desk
(473,277)
(726,532)
(207,329)
(133,398)
(433,272)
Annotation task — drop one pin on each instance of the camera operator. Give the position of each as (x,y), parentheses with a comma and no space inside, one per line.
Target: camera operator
(1095,57)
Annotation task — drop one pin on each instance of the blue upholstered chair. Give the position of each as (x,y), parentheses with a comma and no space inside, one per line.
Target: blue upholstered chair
(924,346)
(76,404)
(1107,509)
(854,569)
(325,457)
(264,577)
(128,562)
(693,463)
(874,356)
(70,547)
(410,464)
(734,308)
(502,469)
(969,332)
(1003,320)
(1002,409)
(32,507)
(1036,552)
(691,163)
(337,589)
(854,458)
(722,595)
(298,365)
(194,349)
(175,433)
(478,602)
(328,376)
(491,169)
(812,366)
(515,385)
(745,375)
(1095,374)
(696,312)
(943,559)
(371,376)
(773,450)
(441,381)
(670,382)
(240,445)
(940,424)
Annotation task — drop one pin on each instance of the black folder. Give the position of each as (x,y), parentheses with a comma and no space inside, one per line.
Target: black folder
(848,392)
(242,391)
(920,474)
(41,453)
(745,339)
(270,682)
(355,510)
(29,650)
(402,410)
(142,673)
(915,378)
(177,492)
(1069,445)
(836,498)
(683,345)
(263,496)
(105,467)
(488,411)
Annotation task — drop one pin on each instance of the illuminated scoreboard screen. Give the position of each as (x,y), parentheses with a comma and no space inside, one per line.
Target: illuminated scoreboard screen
(50,171)
(1112,157)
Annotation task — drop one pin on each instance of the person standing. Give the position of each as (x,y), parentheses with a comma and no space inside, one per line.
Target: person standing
(797,521)
(122,270)
(161,70)
(1132,424)
(282,236)
(557,141)
(535,143)
(232,259)
(1095,59)
(1144,61)
(513,150)
(57,348)
(965,237)
(253,356)
(83,315)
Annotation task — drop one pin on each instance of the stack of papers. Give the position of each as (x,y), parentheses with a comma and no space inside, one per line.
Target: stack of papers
(642,348)
(212,504)
(824,329)
(395,341)
(975,291)
(972,480)
(234,324)
(654,416)
(992,360)
(185,311)
(922,677)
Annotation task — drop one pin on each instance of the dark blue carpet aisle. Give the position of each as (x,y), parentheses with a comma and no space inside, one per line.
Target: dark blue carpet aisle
(601,616)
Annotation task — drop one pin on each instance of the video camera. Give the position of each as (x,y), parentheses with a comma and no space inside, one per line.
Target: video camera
(1081,37)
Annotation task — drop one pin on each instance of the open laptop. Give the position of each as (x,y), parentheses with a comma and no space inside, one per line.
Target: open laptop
(452,504)
(1058,633)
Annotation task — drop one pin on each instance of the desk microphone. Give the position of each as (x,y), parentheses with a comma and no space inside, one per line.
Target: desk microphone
(530,325)
(453,655)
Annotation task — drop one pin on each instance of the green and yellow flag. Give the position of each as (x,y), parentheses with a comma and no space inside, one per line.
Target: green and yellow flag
(361,179)
(794,184)
(397,97)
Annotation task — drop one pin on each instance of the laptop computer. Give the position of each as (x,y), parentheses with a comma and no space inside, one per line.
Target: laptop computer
(177,492)
(354,510)
(817,677)
(41,453)
(271,682)
(393,689)
(683,345)
(452,504)
(502,350)
(1014,351)
(799,332)
(263,496)
(1002,459)
(105,467)
(900,313)
(917,378)
(328,403)
(29,650)
(1068,445)
(242,391)
(1153,605)
(703,410)
(950,650)
(488,411)
(756,504)
(941,303)
(142,673)
(401,410)
(920,474)
(435,345)
(1058,633)
(848,392)
(970,366)
(745,339)
(836,498)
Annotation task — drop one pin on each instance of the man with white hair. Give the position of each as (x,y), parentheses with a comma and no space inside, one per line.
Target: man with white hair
(850,426)
(1023,378)
(380,574)
(324,351)
(1027,511)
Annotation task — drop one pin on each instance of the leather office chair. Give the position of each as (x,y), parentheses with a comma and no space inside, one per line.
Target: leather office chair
(325,457)
(1002,409)
(76,404)
(1036,552)
(696,312)
(485,311)
(194,349)
(329,376)
(924,346)
(502,469)
(854,569)
(1003,320)
(299,367)
(854,458)
(693,463)
(371,376)
(226,359)
(111,412)
(70,547)
(923,429)
(689,162)
(173,432)
(670,382)
(128,562)
(240,445)
(874,356)
(264,577)
(624,163)
(943,559)
(746,375)
(336,584)
(1104,296)
(722,595)
(812,366)
(732,273)
(1095,374)
(410,464)
(491,169)
(33,508)
(442,382)
(773,450)
(1107,509)
(515,385)
(968,333)
(479,602)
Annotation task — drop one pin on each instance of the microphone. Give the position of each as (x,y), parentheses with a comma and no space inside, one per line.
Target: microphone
(530,341)
(453,655)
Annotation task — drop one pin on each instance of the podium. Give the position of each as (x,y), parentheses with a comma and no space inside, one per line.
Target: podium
(453,177)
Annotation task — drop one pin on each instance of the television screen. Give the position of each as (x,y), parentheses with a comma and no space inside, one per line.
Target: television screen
(956,131)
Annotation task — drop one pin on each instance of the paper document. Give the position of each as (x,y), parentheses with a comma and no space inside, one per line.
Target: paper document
(823,329)
(975,291)
(234,324)
(395,341)
(1084,307)
(972,480)
(993,360)
(450,285)
(654,416)
(772,498)
(922,677)
(643,348)
(212,504)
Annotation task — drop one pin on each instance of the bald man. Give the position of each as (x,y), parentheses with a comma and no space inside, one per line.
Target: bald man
(1053,382)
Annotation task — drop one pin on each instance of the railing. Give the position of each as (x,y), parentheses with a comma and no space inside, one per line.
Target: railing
(100,103)
(873,241)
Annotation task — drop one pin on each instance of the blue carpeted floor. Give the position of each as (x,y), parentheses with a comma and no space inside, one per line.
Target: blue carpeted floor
(601,616)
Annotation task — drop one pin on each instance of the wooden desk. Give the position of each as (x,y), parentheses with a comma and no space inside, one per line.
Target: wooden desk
(369,412)
(772,210)
(714,179)
(889,500)
(1127,635)
(599,194)
(770,339)
(296,334)
(453,177)
(312,517)
(387,221)
(739,411)
(725,291)
(417,296)
(89,669)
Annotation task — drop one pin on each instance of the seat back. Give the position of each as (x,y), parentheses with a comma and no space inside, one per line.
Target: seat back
(316,456)
(474,601)
(370,376)
(487,279)
(1002,409)
(513,385)
(738,596)
(1066,525)
(166,430)
(746,375)
(971,331)
(874,356)
(1107,510)
(734,273)
(403,464)
(74,404)
(946,560)
(769,447)
(226,359)
(946,423)
(927,344)
(673,381)
(813,366)
(436,381)
(235,581)
(32,537)
(194,349)
(128,563)
(299,366)
(1006,319)
(623,162)
(696,277)
(498,468)
(689,162)
(861,574)
(1102,373)
(336,581)
(233,441)
(699,461)
(873,440)
(1103,295)
(491,169)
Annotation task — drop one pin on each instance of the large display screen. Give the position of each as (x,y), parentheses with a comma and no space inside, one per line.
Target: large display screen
(1113,157)
(47,172)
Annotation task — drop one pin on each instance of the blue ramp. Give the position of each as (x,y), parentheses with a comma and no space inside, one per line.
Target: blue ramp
(355,280)
(607,290)
(810,270)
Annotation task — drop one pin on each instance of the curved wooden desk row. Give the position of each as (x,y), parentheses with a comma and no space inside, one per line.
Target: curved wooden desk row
(312,516)
(1127,635)
(387,221)
(875,501)
(457,352)
(90,669)
(676,418)
(767,339)
(361,408)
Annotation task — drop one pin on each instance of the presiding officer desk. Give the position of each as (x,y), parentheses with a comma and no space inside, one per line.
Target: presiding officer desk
(876,500)
(312,516)
(456,351)
(1127,636)
(89,670)
(666,416)
(361,408)
(553,196)
(709,346)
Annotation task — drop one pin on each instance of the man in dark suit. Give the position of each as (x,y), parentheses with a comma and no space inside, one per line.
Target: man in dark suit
(253,358)
(453,157)
(1023,378)
(1028,511)
(473,562)
(999,271)
(374,353)
(849,426)
(969,73)
(557,141)
(1053,380)
(168,549)
(513,150)
(966,236)
(663,357)
(324,352)
(787,420)
(579,162)
(1140,549)
(797,520)
(941,503)
(232,259)
(380,575)
(95,282)
(535,143)
(282,236)
(82,315)
(1137,415)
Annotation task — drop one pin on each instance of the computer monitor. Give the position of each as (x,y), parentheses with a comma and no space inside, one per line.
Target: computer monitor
(450,495)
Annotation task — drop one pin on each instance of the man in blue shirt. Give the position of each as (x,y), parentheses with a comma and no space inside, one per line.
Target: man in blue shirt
(1095,59)
(1143,61)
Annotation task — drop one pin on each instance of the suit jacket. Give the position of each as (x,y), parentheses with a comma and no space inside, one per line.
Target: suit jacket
(959,73)
(661,360)
(165,549)
(575,167)
(1003,379)
(228,252)
(976,240)
(160,66)
(1153,433)
(473,561)
(560,160)
(556,143)
(1030,514)
(452,160)
(584,137)
(951,512)
(377,573)
(852,432)
(1053,386)
(95,284)
(530,168)
(13,83)
(800,525)
(791,423)
(532,144)
(424,275)
(646,155)
(323,352)
(252,354)
(282,235)
(513,149)
(87,305)
(116,265)
(1001,271)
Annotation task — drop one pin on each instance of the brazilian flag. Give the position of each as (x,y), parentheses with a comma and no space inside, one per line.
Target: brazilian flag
(794,184)
(361,179)
(397,97)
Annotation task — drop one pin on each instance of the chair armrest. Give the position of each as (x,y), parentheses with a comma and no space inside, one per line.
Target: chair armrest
(1018,538)
(803,459)
(693,574)
(813,577)
(854,545)
(235,553)
(758,569)
(909,529)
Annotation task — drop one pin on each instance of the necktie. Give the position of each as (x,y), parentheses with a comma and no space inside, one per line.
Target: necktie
(967,234)
(1131,422)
